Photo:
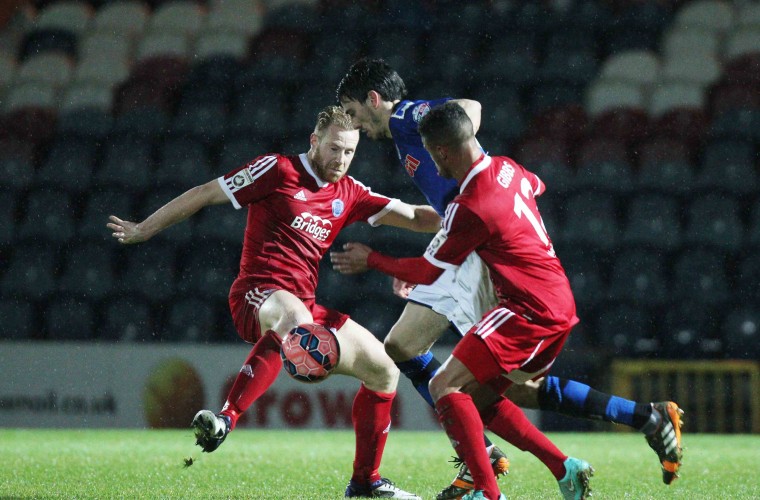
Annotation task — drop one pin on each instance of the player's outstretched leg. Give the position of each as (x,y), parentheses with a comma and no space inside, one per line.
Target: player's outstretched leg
(479,495)
(575,484)
(210,430)
(419,371)
(665,438)
(383,487)
(464,483)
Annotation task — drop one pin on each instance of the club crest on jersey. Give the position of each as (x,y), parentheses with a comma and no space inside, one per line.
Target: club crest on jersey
(337,207)
(315,225)
(420,111)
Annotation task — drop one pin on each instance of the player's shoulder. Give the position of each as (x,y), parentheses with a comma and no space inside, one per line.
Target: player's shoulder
(411,112)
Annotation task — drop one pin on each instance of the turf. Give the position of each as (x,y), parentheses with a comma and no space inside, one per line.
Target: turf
(315,465)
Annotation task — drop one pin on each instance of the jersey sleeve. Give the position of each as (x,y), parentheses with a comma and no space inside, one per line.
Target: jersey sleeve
(535,182)
(461,233)
(368,205)
(251,182)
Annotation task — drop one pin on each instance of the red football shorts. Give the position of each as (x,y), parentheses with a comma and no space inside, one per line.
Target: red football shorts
(245,313)
(505,348)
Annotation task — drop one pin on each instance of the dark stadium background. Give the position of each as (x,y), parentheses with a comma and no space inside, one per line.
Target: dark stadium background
(642,117)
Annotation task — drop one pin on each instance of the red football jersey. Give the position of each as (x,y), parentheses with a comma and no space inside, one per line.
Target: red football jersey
(495,215)
(293,218)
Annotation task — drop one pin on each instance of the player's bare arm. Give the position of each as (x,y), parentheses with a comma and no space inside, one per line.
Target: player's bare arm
(357,258)
(473,110)
(177,210)
(418,218)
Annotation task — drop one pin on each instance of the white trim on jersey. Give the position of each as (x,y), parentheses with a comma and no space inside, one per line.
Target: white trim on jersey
(305,160)
(439,263)
(262,166)
(372,221)
(493,321)
(479,167)
(250,174)
(448,216)
(226,189)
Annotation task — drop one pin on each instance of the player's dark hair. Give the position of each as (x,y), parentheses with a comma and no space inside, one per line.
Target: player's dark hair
(447,124)
(365,75)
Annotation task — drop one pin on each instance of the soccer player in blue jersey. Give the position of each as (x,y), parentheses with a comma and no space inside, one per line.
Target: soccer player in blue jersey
(375,97)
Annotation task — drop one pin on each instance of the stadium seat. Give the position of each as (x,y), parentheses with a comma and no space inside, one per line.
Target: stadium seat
(31,272)
(627,125)
(127,319)
(737,123)
(565,123)
(87,271)
(99,205)
(104,45)
(748,277)
(149,272)
(48,40)
(626,331)
(153,199)
(162,44)
(730,96)
(224,224)
(184,163)
(653,222)
(564,65)
(141,124)
(741,332)
(35,125)
(32,94)
(604,176)
(90,123)
(637,67)
(69,165)
(676,95)
(727,150)
(585,271)
(237,152)
(688,40)
(748,15)
(92,95)
(692,68)
(8,210)
(203,123)
(661,150)
(209,268)
(19,319)
(234,17)
(67,318)
(714,222)
(16,163)
(700,276)
(728,176)
(65,15)
(604,95)
(123,18)
(190,319)
(178,17)
(48,217)
(105,69)
(221,44)
(127,164)
(670,177)
(638,278)
(591,222)
(714,15)
(689,329)
(752,235)
(512,61)
(49,68)
(688,125)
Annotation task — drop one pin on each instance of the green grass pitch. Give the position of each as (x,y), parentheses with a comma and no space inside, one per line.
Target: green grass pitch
(316,465)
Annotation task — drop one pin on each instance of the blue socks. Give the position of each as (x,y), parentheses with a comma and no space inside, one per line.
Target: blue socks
(579,400)
(419,371)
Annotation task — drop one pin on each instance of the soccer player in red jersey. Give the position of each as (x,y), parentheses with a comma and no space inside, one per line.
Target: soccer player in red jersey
(495,215)
(296,207)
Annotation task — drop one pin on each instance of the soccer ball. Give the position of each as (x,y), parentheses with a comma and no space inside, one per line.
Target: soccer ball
(310,352)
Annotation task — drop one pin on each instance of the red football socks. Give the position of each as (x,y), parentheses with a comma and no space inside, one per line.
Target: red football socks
(461,421)
(371,415)
(258,373)
(509,422)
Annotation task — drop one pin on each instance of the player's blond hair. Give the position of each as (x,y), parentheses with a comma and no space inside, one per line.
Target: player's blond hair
(332,115)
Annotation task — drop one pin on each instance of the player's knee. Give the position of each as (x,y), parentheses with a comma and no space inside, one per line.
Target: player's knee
(400,345)
(395,349)
(439,386)
(524,395)
(382,377)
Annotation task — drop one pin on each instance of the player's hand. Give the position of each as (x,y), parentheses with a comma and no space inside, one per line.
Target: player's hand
(353,260)
(402,288)
(124,231)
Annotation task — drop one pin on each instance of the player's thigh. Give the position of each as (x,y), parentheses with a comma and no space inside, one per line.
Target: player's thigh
(416,330)
(452,376)
(525,395)
(282,311)
(362,356)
